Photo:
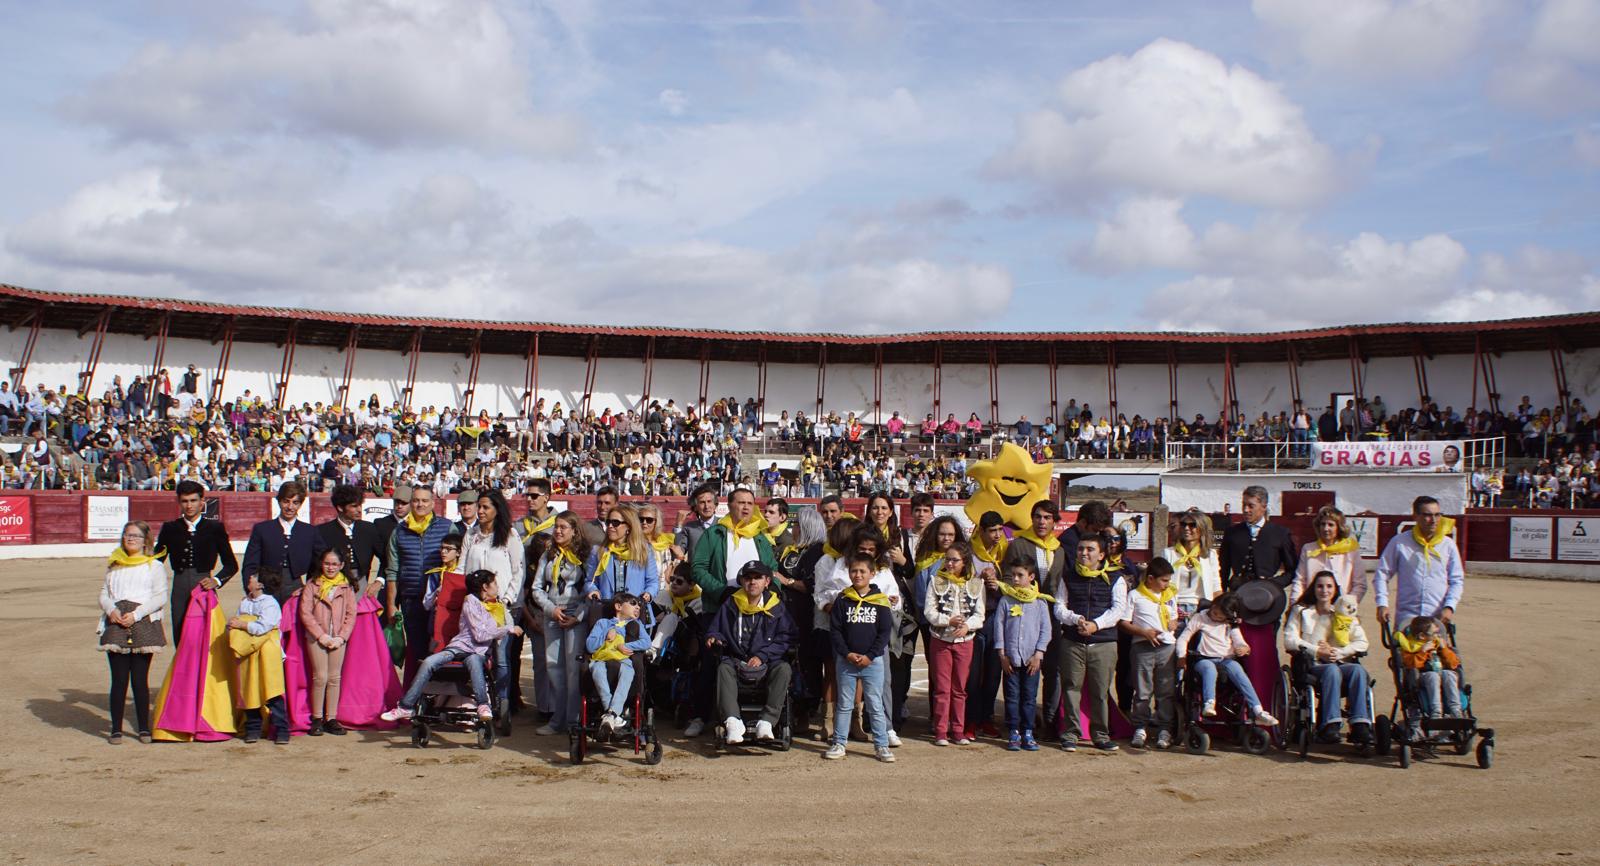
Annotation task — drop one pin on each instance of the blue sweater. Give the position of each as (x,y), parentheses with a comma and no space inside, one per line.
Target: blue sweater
(1022,636)
(860,628)
(597,635)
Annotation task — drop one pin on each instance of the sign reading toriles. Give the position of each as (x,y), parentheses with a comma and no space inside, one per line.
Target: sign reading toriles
(1438,456)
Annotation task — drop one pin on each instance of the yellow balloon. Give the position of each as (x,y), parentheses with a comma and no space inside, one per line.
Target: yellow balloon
(1010,485)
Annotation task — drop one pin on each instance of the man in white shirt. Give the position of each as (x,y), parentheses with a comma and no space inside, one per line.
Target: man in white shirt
(1425,566)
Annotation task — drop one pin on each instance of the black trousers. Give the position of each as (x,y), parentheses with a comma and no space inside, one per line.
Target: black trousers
(183,583)
(130,669)
(275,707)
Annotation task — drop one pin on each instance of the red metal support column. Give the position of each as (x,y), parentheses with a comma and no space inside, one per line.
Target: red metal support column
(649,372)
(938,381)
(994,388)
(1230,400)
(224,356)
(877,387)
(590,371)
(472,372)
(1172,385)
(705,375)
(19,372)
(282,390)
(761,387)
(86,377)
(1054,385)
(822,377)
(1355,367)
(411,369)
(1491,386)
(1559,366)
(530,377)
(349,365)
(1418,356)
(1294,375)
(160,333)
(1111,379)
(1477,363)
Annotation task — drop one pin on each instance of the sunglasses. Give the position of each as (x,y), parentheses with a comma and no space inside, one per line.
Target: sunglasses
(647,520)
(1189,524)
(615,523)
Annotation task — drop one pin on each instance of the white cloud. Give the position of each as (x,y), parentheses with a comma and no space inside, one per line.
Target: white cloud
(1144,232)
(673,102)
(1171,120)
(1558,71)
(1586,145)
(387,73)
(1379,39)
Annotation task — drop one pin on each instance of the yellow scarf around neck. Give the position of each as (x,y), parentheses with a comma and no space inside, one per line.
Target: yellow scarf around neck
(121,557)
(1049,543)
(496,609)
(1023,595)
(827,550)
(1186,558)
(876,598)
(1104,572)
(662,542)
(930,559)
(993,555)
(620,551)
(417,526)
(1343,545)
(750,608)
(1446,526)
(754,525)
(1160,601)
(326,585)
(774,531)
(529,528)
(959,581)
(680,603)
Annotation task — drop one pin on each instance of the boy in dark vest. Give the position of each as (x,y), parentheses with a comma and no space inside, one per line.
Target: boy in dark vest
(1094,598)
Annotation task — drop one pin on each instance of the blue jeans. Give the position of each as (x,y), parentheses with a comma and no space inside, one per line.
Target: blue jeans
(614,701)
(480,688)
(1022,690)
(1336,681)
(871,680)
(1207,668)
(561,668)
(1435,685)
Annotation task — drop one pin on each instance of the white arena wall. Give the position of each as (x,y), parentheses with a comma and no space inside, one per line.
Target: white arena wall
(1023,389)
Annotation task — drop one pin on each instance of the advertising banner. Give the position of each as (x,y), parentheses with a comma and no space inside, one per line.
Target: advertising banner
(1530,538)
(106,517)
(16,520)
(1435,456)
(1578,539)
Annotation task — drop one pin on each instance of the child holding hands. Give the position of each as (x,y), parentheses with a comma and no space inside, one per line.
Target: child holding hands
(1024,631)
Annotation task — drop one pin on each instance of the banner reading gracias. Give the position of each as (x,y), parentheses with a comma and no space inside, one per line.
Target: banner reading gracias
(1435,456)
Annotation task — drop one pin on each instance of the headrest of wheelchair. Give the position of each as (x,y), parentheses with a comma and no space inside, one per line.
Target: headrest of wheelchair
(755,567)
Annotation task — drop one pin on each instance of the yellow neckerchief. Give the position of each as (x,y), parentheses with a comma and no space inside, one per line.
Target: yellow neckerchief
(990,556)
(1160,601)
(749,608)
(1409,644)
(1187,558)
(620,551)
(680,603)
(1339,627)
(1343,545)
(1023,595)
(1049,543)
(957,580)
(1446,526)
(753,526)
(883,529)
(827,550)
(121,557)
(530,530)
(496,609)
(414,526)
(930,559)
(662,542)
(1114,563)
(552,578)
(774,531)
(1103,572)
(876,598)
(326,585)
(443,569)
(611,650)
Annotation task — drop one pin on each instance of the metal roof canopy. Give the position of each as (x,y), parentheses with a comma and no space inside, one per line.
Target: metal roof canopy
(201,320)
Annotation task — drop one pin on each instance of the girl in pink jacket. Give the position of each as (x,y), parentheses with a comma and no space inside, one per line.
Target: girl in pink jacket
(328,616)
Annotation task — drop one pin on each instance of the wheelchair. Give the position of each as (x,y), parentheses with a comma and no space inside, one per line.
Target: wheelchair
(1299,705)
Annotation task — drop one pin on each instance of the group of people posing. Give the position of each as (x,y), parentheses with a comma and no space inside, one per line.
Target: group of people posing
(818,605)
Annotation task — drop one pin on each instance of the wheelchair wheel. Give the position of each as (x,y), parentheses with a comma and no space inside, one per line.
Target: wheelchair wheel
(485,736)
(1257,740)
(502,724)
(1405,756)
(1198,741)
(1486,754)
(1302,739)
(420,736)
(1381,736)
(577,734)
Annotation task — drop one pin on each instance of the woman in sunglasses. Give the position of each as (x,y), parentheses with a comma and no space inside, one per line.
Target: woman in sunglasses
(624,561)
(667,553)
(1194,562)
(558,580)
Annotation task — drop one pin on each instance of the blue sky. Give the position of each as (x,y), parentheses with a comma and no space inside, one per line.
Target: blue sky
(862,167)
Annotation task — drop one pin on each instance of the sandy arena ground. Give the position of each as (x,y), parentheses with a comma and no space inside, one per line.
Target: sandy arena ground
(68,797)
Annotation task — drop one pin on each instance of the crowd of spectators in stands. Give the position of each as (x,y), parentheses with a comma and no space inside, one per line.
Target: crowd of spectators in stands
(153,432)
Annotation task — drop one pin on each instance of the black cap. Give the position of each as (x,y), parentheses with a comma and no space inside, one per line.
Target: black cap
(753,567)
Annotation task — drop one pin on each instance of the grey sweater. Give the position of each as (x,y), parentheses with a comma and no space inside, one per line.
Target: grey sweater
(1023,635)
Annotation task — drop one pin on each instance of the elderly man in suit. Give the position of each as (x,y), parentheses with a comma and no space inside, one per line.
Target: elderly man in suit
(284,544)
(1256,548)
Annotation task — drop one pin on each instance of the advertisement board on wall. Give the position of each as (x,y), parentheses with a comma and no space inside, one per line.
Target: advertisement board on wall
(106,517)
(16,519)
(1578,539)
(1408,456)
(1530,538)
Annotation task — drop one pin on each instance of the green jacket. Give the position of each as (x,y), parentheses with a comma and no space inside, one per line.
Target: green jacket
(710,565)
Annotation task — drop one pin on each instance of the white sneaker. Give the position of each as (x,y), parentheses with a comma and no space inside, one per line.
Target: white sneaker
(764,731)
(696,728)
(834,753)
(607,721)
(546,731)
(735,729)
(1139,738)
(894,739)
(885,756)
(1209,710)
(1265,719)
(398,714)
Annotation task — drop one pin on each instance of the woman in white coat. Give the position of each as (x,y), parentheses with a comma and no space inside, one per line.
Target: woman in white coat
(131,602)
(490,545)
(1194,562)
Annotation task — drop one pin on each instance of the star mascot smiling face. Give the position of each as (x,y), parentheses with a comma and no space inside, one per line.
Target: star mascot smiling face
(1009,484)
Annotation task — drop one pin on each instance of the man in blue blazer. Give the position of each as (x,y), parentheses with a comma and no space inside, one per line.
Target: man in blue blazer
(285,545)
